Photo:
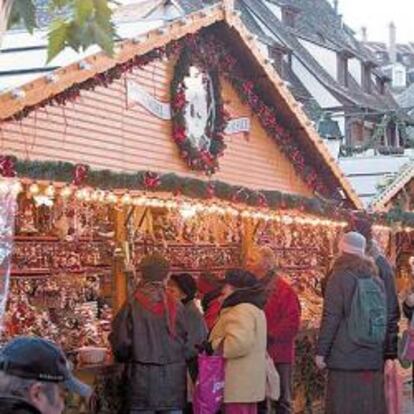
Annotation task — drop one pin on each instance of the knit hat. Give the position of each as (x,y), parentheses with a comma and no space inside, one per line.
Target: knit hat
(353,243)
(186,284)
(154,268)
(240,279)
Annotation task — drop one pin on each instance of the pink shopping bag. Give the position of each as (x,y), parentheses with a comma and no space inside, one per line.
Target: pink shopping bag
(393,388)
(209,387)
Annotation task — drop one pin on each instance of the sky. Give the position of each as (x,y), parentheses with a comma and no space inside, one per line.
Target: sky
(376,15)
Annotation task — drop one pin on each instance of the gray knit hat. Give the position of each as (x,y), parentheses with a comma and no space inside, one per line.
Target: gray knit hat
(353,243)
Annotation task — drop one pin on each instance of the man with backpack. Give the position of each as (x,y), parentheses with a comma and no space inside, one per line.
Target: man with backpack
(352,332)
(386,274)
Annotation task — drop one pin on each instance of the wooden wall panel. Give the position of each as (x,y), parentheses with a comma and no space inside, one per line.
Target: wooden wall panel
(100,130)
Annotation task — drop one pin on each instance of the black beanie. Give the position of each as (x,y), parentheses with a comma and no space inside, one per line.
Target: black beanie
(186,283)
(154,268)
(240,279)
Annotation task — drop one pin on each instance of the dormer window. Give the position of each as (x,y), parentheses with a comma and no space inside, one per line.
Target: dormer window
(289,15)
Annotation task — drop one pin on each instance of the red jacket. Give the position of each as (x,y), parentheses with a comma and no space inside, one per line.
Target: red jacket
(283,320)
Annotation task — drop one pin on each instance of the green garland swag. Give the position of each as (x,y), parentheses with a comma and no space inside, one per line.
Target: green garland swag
(200,160)
(200,189)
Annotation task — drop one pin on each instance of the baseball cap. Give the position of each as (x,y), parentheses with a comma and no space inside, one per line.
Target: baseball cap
(39,359)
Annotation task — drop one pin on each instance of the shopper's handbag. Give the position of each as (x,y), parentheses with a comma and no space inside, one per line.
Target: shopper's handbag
(209,388)
(393,388)
(407,343)
(272,380)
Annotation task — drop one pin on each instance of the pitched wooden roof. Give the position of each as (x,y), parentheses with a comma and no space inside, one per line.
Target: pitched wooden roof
(43,88)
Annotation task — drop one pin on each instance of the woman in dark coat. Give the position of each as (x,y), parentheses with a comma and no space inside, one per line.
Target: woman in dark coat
(184,288)
(355,372)
(149,335)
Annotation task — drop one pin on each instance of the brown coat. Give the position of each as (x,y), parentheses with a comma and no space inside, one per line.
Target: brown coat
(243,330)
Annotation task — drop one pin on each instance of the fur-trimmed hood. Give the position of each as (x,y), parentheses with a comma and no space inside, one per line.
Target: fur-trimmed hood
(359,266)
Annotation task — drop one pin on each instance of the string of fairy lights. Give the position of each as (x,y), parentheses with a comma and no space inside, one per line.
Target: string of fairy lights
(47,193)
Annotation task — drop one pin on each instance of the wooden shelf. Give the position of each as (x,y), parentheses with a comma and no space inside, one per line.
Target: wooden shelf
(186,245)
(55,239)
(15,273)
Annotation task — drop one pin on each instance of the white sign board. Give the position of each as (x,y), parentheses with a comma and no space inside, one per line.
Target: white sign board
(237,125)
(137,94)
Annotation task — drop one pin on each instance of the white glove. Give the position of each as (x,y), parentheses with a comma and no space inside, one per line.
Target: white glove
(320,362)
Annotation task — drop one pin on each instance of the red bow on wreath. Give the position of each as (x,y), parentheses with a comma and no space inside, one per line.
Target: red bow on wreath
(7,167)
(80,174)
(152,180)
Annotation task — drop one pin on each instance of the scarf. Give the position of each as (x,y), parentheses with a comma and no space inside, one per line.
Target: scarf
(152,296)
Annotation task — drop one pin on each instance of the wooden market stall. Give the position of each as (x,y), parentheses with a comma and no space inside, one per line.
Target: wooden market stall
(397,199)
(186,142)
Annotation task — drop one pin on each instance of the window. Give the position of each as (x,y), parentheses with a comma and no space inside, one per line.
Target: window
(407,60)
(399,78)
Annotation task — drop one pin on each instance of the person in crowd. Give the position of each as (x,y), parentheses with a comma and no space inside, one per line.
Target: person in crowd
(408,309)
(283,322)
(386,273)
(210,291)
(184,288)
(149,335)
(34,375)
(240,333)
(352,332)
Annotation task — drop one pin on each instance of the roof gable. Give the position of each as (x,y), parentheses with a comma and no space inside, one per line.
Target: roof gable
(97,68)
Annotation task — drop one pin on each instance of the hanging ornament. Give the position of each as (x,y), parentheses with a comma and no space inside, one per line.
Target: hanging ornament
(80,174)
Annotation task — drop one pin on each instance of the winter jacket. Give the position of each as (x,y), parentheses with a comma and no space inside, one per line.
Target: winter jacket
(334,342)
(386,274)
(283,320)
(241,331)
(150,337)
(9,404)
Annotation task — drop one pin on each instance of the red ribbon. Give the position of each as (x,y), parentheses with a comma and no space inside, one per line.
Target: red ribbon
(152,180)
(7,167)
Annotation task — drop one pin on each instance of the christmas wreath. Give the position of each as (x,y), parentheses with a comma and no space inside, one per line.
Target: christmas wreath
(198,115)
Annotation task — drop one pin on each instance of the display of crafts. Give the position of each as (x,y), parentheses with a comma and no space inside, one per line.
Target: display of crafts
(60,265)
(67,309)
(192,244)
